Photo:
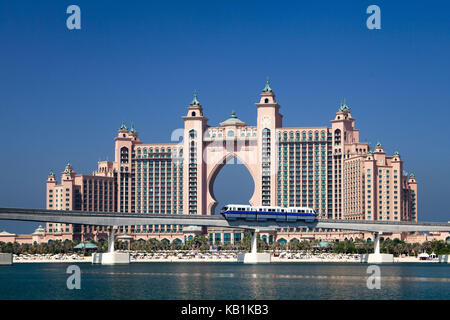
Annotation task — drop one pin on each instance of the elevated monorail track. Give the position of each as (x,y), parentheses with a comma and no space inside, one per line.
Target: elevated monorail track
(124,219)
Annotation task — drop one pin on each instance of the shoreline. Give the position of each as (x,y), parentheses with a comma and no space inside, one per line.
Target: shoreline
(135,258)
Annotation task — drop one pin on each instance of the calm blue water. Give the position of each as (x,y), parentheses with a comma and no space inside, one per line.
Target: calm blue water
(225,281)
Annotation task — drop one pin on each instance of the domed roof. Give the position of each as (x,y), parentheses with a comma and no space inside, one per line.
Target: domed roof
(86,245)
(233,121)
(39,230)
(6,233)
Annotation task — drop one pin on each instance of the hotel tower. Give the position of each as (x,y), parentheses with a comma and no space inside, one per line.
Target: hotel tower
(325,168)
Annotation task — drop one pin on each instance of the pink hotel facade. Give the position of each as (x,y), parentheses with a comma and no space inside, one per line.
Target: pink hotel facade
(325,168)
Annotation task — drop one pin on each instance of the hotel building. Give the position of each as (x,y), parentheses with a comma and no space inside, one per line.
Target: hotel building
(325,168)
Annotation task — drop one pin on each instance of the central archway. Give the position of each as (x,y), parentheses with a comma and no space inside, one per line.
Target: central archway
(211,178)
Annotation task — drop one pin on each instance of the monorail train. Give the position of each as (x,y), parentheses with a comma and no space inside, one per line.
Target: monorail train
(246,212)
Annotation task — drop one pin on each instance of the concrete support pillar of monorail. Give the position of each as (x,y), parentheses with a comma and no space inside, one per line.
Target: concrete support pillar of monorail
(111,257)
(254,245)
(111,239)
(376,243)
(254,257)
(376,256)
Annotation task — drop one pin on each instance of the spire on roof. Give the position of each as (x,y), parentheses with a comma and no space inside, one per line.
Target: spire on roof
(267,87)
(343,106)
(68,168)
(133,130)
(123,126)
(195,101)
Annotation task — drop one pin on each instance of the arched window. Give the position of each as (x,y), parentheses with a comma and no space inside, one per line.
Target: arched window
(124,155)
(192,134)
(193,113)
(266,100)
(230,133)
(337,136)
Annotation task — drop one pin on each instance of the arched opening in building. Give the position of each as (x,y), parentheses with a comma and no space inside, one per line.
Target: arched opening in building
(233,184)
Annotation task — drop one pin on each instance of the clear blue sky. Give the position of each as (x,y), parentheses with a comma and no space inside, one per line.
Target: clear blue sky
(64,93)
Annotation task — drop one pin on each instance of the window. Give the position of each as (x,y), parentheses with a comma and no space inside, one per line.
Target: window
(192,134)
